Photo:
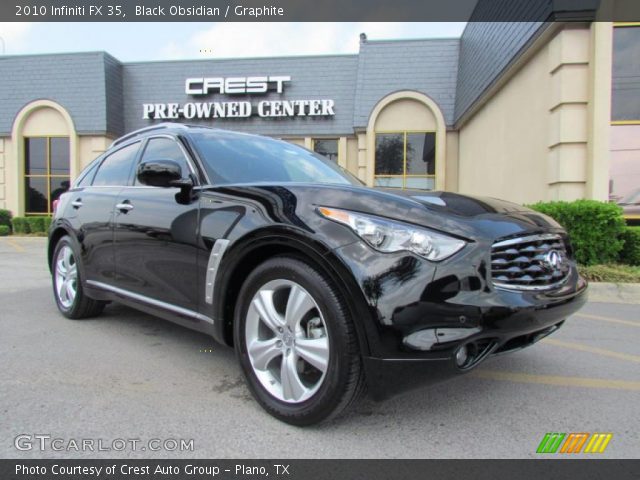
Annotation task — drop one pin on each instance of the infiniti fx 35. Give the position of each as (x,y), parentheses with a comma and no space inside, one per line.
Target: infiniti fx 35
(323,286)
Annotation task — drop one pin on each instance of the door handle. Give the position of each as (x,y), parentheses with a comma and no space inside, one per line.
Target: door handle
(77,203)
(124,207)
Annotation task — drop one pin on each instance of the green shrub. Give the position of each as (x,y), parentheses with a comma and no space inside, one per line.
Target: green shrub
(630,253)
(25,225)
(36,224)
(20,225)
(5,218)
(4,230)
(595,228)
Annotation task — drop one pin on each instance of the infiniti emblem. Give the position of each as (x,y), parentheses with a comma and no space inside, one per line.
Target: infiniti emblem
(287,339)
(553,260)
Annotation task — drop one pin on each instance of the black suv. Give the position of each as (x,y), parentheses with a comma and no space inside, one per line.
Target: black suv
(322,285)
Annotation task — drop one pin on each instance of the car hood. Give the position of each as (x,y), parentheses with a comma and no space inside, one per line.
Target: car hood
(461,215)
(464,215)
(457,204)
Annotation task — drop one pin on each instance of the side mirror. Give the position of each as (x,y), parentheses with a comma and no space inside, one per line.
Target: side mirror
(160,173)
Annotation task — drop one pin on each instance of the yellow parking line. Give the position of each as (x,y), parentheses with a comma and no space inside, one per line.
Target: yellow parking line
(16,245)
(557,380)
(609,319)
(586,348)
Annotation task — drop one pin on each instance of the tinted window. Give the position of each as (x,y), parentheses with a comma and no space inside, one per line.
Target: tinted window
(248,159)
(87,175)
(59,154)
(35,156)
(36,188)
(421,153)
(406,160)
(625,103)
(116,168)
(47,170)
(389,154)
(165,149)
(327,148)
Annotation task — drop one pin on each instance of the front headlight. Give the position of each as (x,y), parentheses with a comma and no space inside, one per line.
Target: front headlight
(389,236)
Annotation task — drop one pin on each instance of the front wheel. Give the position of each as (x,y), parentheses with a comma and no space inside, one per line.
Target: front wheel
(296,342)
(67,283)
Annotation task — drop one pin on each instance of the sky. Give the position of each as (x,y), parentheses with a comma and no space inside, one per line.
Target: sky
(174,41)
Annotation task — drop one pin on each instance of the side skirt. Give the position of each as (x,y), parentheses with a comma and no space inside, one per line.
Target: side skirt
(173,313)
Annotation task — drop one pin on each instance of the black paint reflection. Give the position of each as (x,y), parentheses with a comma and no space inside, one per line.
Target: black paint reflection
(403,271)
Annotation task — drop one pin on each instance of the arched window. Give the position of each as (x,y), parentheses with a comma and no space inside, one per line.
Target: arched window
(47,172)
(45,144)
(406,143)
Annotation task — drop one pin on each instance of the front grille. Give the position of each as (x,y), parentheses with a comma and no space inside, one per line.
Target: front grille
(535,262)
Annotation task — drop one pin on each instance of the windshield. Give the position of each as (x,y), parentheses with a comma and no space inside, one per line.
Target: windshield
(236,158)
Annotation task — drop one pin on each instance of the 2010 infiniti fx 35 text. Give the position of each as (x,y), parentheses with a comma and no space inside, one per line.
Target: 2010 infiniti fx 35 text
(322,285)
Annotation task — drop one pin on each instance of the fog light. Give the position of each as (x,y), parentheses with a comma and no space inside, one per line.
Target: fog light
(462,355)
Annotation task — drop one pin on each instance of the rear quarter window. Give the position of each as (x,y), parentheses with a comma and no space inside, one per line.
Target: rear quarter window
(85,178)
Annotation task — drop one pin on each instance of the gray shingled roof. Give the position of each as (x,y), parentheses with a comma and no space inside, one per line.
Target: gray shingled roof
(75,81)
(488,46)
(486,50)
(104,95)
(114,95)
(429,66)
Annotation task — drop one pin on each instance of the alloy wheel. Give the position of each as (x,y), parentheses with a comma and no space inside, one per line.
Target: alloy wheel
(287,341)
(66,277)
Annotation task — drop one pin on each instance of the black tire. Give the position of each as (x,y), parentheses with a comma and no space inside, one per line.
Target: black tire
(81,306)
(343,381)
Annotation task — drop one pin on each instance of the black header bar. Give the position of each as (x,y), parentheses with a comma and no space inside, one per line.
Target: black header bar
(318,469)
(317,11)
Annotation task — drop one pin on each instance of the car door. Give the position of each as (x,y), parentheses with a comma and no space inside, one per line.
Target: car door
(90,211)
(155,235)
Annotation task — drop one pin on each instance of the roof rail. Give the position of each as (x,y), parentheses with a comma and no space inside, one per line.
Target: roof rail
(135,133)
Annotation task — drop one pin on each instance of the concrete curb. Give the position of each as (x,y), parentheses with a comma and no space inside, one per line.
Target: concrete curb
(614,292)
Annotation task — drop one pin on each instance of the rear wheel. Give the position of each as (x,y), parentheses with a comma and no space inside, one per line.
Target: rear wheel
(67,283)
(296,342)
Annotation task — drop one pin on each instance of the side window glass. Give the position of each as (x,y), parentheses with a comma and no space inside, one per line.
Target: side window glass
(116,168)
(162,148)
(87,176)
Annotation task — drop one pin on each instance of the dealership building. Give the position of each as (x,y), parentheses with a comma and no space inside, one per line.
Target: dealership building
(525,111)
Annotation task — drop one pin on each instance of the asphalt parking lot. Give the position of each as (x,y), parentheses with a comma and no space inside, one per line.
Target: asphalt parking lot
(127,375)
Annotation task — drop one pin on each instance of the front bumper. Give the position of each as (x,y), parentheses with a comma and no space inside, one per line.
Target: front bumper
(423,313)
